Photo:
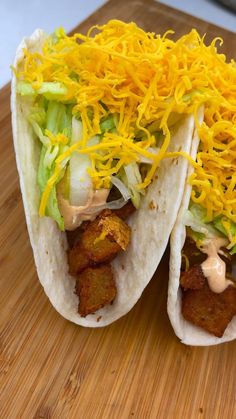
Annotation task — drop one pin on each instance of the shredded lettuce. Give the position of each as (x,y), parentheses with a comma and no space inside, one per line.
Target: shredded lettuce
(197,237)
(233,250)
(219,225)
(121,187)
(50,90)
(131,179)
(24,88)
(56,118)
(44,173)
(37,119)
(198,211)
(107,124)
(43,170)
(59,118)
(39,133)
(57,35)
(189,96)
(51,155)
(52,209)
(195,218)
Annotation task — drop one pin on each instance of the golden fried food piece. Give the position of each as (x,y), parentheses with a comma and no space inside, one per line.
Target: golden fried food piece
(193,279)
(99,242)
(99,248)
(78,259)
(95,288)
(115,228)
(209,310)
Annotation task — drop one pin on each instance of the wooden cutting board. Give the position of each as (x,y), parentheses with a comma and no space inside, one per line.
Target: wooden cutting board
(50,368)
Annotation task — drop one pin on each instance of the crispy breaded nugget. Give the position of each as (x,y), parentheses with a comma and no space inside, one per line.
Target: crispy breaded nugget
(95,288)
(100,241)
(115,228)
(99,249)
(78,259)
(193,279)
(209,310)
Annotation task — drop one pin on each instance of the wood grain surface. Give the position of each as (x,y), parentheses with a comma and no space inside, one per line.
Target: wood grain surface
(50,368)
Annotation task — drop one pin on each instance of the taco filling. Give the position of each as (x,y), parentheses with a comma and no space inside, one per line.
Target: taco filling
(92,248)
(208,277)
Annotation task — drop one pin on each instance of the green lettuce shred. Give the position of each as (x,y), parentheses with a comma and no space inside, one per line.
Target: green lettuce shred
(219,225)
(195,218)
(57,118)
(107,124)
(44,174)
(50,90)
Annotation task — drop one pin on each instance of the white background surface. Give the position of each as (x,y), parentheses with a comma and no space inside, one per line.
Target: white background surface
(19,18)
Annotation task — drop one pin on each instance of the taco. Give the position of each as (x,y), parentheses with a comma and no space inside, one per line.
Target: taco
(202,280)
(92,122)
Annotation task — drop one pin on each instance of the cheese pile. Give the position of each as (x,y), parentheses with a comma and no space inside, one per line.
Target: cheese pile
(142,77)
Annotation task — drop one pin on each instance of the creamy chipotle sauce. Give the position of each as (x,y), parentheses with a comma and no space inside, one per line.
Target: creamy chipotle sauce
(214,267)
(75,215)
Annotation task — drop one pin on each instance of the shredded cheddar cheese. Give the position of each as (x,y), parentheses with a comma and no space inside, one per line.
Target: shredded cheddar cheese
(101,237)
(141,77)
(56,139)
(186,262)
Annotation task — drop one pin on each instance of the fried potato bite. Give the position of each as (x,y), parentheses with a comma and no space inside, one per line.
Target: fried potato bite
(209,310)
(115,228)
(99,242)
(78,259)
(193,279)
(95,288)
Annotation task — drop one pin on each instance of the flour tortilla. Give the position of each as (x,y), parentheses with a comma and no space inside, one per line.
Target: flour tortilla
(186,331)
(151,224)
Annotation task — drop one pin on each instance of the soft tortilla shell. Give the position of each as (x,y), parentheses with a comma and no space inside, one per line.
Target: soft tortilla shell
(187,332)
(151,224)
